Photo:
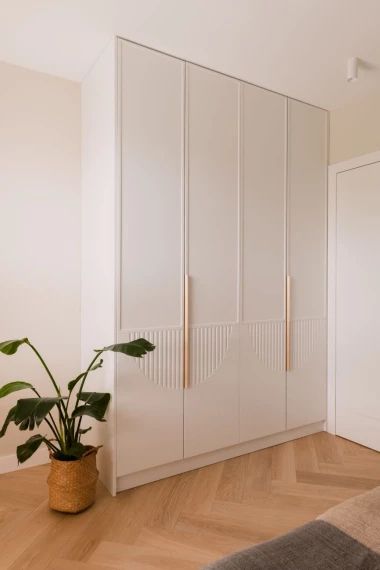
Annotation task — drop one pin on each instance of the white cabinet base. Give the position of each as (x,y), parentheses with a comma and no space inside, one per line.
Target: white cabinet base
(170,469)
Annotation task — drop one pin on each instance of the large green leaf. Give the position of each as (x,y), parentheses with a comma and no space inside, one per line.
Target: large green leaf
(71,385)
(27,449)
(73,452)
(76,449)
(136,348)
(90,411)
(74,382)
(14,387)
(24,425)
(32,411)
(97,365)
(10,346)
(95,405)
(10,418)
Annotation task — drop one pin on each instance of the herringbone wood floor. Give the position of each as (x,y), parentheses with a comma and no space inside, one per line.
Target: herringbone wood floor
(186,521)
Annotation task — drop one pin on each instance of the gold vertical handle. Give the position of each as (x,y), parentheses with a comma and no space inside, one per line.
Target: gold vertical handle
(288,331)
(186,353)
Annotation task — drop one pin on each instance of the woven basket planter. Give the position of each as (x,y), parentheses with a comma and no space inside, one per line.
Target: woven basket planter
(72,484)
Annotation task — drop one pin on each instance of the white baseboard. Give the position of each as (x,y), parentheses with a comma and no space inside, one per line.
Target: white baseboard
(9,463)
(162,471)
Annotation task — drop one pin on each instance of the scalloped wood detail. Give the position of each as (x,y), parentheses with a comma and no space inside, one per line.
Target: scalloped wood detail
(307,338)
(268,342)
(208,347)
(164,365)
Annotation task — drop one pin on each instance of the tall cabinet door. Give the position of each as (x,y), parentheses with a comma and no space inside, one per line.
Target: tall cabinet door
(212,398)
(149,390)
(263,191)
(307,169)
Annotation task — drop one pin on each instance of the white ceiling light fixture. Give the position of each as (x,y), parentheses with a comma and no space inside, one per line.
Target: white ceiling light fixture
(352,69)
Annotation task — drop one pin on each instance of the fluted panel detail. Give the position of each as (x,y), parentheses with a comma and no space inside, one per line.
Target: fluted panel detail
(208,347)
(164,365)
(307,337)
(268,342)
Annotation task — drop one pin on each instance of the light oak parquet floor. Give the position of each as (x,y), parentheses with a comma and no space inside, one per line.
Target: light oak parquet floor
(183,522)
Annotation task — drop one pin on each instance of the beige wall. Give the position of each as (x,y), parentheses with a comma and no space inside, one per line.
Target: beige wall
(355,129)
(39,229)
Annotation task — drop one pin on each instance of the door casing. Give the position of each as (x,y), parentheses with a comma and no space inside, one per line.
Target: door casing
(333,171)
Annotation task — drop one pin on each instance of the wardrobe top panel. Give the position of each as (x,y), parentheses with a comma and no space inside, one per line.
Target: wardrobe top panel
(197,64)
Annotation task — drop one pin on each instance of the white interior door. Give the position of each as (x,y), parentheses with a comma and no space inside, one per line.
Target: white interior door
(307,222)
(149,390)
(358,305)
(262,332)
(212,399)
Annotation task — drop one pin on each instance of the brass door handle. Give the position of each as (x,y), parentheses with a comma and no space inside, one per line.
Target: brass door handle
(288,328)
(186,338)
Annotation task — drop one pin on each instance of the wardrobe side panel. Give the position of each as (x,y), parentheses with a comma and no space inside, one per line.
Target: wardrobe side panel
(98,246)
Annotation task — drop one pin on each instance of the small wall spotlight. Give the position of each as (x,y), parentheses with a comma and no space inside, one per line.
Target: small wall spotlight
(352,69)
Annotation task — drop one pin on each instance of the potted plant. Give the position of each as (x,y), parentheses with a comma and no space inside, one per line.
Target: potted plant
(73,474)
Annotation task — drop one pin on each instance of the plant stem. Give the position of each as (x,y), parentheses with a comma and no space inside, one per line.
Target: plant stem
(46,368)
(76,435)
(50,445)
(59,405)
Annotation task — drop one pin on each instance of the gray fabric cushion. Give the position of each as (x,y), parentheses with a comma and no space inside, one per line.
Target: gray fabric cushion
(315,546)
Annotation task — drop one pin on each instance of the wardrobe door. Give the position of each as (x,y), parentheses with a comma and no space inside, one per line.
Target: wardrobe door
(149,390)
(212,398)
(307,220)
(262,354)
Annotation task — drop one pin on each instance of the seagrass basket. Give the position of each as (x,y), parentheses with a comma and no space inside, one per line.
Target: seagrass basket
(72,484)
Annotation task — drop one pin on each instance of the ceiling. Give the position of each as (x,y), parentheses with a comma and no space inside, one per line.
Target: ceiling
(296,47)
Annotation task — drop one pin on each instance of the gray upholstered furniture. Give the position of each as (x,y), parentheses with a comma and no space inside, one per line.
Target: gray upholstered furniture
(346,537)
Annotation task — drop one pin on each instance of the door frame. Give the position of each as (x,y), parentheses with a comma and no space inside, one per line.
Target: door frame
(333,171)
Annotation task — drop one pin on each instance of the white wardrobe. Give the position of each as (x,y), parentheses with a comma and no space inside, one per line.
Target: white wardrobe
(204,216)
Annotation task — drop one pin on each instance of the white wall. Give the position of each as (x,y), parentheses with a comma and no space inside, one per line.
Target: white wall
(355,129)
(39,230)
